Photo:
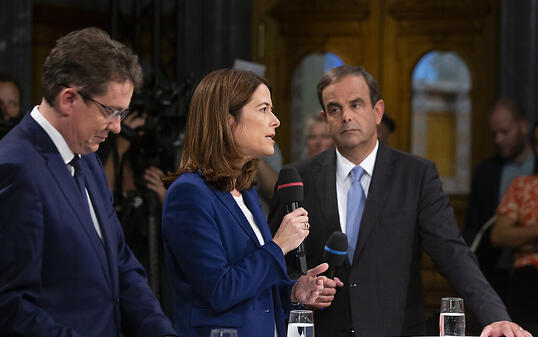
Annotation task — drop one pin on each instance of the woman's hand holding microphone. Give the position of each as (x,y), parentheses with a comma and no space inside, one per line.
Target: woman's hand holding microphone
(293,230)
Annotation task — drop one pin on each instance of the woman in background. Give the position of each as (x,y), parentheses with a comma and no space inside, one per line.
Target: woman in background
(226,269)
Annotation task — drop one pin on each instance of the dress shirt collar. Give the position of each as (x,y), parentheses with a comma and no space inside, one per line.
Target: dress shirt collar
(344,166)
(54,135)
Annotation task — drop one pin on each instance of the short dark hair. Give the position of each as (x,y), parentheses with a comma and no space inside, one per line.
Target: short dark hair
(338,73)
(90,59)
(389,122)
(511,105)
(209,145)
(5,77)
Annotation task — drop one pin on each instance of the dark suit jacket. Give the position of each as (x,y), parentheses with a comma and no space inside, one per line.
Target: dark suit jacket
(484,197)
(483,202)
(57,278)
(405,212)
(221,275)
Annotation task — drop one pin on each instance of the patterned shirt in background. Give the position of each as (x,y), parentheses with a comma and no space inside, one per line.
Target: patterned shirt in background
(520,203)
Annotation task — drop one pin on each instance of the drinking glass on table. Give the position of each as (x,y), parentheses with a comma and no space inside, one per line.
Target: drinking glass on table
(452,317)
(301,323)
(223,333)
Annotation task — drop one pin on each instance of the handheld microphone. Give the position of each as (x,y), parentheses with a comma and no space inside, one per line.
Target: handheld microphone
(290,190)
(335,252)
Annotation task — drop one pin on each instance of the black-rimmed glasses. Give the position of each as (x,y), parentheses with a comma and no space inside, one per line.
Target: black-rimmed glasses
(112,113)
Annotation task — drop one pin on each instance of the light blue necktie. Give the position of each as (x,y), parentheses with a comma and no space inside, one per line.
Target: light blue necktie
(355,207)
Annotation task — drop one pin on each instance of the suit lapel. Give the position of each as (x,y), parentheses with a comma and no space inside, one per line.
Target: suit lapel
(106,254)
(326,190)
(67,185)
(55,164)
(65,182)
(377,193)
(59,171)
(228,201)
(325,183)
(251,200)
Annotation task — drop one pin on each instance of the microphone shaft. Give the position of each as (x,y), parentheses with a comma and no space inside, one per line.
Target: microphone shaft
(301,252)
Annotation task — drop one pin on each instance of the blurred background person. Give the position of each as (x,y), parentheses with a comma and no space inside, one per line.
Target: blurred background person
(10,99)
(535,140)
(132,186)
(510,131)
(318,138)
(226,269)
(386,129)
(517,228)
(138,197)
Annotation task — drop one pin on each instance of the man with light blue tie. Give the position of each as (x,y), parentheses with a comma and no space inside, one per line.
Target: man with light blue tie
(391,206)
(65,269)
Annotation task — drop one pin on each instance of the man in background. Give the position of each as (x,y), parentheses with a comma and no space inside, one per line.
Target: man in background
(318,138)
(535,137)
(386,129)
(510,131)
(65,267)
(10,98)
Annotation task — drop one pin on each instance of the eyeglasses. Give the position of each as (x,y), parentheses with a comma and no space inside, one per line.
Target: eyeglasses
(112,113)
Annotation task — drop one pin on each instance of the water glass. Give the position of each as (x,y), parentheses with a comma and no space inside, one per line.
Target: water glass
(452,317)
(301,323)
(223,333)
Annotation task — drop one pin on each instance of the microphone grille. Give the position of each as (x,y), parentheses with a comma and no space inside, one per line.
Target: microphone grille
(336,249)
(290,185)
(337,242)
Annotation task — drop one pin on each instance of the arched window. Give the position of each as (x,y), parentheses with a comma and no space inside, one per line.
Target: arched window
(441,117)
(304,95)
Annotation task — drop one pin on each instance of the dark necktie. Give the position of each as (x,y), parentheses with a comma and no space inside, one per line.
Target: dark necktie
(355,207)
(79,177)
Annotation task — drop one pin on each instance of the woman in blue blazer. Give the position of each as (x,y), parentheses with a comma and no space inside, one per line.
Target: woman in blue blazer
(226,269)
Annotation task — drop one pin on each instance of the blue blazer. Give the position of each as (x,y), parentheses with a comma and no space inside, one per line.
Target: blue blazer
(57,278)
(221,275)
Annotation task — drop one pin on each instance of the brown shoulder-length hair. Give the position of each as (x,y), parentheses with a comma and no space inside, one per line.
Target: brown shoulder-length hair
(209,146)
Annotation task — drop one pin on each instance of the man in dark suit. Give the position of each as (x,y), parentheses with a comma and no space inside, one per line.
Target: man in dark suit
(510,130)
(65,269)
(405,212)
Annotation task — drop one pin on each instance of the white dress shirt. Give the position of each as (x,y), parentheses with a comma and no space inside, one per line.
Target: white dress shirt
(248,214)
(343,180)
